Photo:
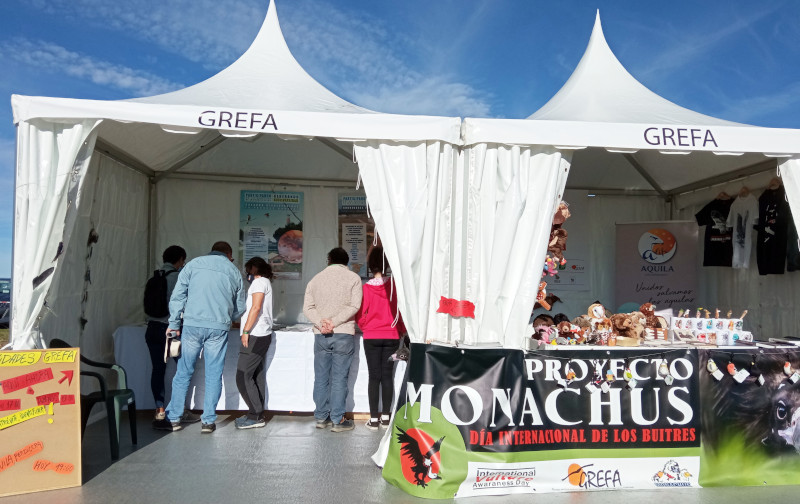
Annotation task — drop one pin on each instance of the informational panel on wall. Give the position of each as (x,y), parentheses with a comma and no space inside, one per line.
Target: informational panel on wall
(356,231)
(271,227)
(40,420)
(656,263)
(573,276)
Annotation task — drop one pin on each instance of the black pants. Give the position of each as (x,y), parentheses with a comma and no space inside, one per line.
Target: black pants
(156,338)
(381,371)
(251,374)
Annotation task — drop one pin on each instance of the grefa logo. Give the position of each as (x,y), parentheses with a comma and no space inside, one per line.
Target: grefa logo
(657,246)
(587,477)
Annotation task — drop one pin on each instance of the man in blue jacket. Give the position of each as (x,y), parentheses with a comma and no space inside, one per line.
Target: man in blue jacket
(208,296)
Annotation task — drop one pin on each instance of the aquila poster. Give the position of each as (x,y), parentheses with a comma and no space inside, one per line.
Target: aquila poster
(271,227)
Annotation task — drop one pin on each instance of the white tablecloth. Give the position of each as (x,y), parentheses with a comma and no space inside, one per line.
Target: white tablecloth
(290,372)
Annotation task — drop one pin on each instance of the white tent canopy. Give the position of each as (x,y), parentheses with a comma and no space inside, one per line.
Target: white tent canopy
(614,122)
(227,133)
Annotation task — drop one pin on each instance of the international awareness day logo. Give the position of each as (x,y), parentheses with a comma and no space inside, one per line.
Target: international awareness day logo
(657,246)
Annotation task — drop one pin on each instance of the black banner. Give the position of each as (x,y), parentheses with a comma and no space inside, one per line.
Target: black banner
(509,401)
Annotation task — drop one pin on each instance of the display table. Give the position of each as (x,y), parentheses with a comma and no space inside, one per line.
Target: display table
(290,372)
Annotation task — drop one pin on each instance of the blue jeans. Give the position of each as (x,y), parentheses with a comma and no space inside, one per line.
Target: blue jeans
(214,344)
(332,358)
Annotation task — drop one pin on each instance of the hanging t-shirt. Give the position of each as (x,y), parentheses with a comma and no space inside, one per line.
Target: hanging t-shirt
(263,326)
(792,246)
(743,215)
(717,244)
(773,220)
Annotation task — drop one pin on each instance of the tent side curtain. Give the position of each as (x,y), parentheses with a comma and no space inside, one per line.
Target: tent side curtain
(408,194)
(790,173)
(52,160)
(513,194)
(498,201)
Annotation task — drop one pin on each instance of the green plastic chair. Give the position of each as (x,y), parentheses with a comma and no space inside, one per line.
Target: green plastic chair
(114,399)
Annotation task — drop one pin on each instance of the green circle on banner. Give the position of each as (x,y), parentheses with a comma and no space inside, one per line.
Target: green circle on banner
(426,459)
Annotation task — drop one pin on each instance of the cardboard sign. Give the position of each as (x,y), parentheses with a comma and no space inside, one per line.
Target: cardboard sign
(40,420)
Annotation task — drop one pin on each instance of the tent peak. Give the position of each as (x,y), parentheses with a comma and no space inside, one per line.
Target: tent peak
(266,77)
(600,89)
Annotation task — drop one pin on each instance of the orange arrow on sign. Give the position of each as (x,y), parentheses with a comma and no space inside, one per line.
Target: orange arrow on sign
(67,375)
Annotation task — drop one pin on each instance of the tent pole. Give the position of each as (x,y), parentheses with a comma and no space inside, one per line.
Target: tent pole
(254,179)
(122,157)
(191,157)
(328,143)
(747,171)
(644,173)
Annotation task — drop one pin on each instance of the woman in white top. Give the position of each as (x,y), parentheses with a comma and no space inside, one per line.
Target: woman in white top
(256,331)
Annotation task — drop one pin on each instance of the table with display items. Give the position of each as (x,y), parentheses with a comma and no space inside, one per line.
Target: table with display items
(290,372)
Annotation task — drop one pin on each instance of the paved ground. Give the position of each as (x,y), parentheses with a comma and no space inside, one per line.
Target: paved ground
(289,461)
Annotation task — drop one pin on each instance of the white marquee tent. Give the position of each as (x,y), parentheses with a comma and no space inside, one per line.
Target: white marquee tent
(462,214)
(146,173)
(622,141)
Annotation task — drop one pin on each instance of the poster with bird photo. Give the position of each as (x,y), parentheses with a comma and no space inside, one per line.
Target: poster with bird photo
(751,433)
(271,227)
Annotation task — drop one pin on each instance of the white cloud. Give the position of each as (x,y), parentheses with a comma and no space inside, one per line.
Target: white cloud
(764,107)
(687,47)
(360,58)
(56,59)
(429,96)
(208,32)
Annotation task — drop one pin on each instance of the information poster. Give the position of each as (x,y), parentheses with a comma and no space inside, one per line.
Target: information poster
(356,231)
(40,420)
(271,227)
(656,263)
(573,276)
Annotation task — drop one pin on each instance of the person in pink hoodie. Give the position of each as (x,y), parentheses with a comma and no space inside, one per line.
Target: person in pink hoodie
(382,327)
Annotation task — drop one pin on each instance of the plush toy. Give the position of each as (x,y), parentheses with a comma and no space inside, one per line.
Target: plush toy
(544,333)
(638,323)
(625,330)
(550,266)
(558,244)
(565,330)
(562,214)
(583,322)
(541,297)
(623,325)
(596,314)
(648,310)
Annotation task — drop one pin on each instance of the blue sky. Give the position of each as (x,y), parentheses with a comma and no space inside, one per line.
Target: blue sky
(734,59)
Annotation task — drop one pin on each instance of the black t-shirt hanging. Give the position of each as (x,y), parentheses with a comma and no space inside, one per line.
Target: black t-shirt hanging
(773,220)
(718,242)
(792,247)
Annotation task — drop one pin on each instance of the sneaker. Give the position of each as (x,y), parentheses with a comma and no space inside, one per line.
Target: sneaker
(324,424)
(161,414)
(247,423)
(373,424)
(165,424)
(385,423)
(208,428)
(344,425)
(190,417)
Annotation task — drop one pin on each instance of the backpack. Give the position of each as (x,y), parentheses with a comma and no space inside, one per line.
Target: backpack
(156,302)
